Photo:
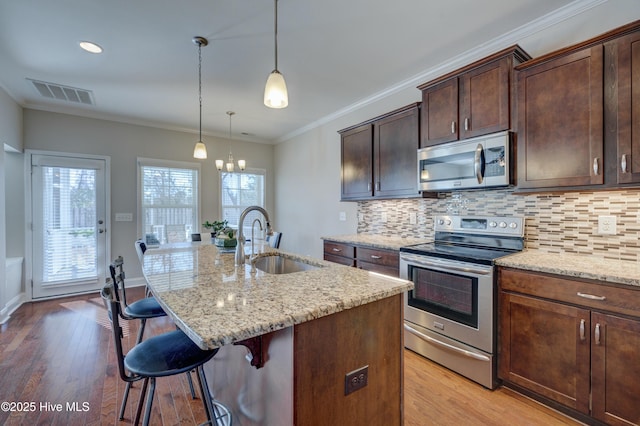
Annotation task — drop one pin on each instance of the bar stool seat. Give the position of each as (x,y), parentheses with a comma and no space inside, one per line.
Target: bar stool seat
(144,308)
(165,355)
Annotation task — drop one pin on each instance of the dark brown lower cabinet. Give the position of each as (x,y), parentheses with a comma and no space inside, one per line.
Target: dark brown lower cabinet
(383,261)
(584,356)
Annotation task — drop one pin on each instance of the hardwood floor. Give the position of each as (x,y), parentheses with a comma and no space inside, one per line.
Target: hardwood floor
(61,352)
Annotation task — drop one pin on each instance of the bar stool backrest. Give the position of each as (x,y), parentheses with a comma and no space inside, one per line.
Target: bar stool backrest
(116,270)
(113,307)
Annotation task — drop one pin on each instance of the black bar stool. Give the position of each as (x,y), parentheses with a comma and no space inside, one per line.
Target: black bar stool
(163,355)
(142,310)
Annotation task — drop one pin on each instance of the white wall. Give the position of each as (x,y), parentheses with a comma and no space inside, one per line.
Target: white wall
(11,137)
(308,165)
(124,143)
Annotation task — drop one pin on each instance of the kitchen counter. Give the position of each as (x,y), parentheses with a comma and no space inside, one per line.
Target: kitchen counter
(217,303)
(288,342)
(573,265)
(376,241)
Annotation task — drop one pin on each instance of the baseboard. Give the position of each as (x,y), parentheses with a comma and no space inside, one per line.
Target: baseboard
(11,307)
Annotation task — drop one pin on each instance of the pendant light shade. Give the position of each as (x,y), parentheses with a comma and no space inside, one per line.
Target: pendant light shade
(275,91)
(200,150)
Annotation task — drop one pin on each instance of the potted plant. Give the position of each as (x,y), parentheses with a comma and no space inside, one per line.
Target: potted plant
(223,235)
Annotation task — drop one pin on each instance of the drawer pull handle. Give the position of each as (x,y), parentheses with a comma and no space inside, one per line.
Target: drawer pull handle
(373,256)
(337,250)
(597,333)
(582,334)
(591,296)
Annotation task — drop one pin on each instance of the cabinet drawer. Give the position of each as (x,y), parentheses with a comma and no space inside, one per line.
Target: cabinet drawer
(392,271)
(339,249)
(378,256)
(349,261)
(601,296)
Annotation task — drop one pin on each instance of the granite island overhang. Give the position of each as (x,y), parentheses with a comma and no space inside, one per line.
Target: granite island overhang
(316,327)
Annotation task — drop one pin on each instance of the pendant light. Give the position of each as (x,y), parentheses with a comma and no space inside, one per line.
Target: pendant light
(200,150)
(230,165)
(275,91)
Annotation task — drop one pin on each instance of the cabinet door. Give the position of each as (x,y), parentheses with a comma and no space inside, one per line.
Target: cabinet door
(484,99)
(439,120)
(357,162)
(627,65)
(396,140)
(615,369)
(542,348)
(560,121)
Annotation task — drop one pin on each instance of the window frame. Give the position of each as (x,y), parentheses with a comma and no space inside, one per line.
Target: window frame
(251,171)
(173,164)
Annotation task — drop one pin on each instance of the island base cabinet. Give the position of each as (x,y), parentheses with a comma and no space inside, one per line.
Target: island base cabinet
(302,381)
(328,348)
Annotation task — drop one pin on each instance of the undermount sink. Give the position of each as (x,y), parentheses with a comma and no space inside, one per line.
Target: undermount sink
(277,264)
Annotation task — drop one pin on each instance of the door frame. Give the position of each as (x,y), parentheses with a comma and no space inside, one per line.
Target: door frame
(28,208)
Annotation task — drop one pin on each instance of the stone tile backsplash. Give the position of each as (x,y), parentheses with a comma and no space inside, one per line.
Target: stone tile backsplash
(554,223)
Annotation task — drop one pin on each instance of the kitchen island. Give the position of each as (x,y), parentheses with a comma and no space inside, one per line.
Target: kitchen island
(288,341)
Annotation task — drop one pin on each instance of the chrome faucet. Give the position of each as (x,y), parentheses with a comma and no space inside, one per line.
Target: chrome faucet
(241,239)
(252,257)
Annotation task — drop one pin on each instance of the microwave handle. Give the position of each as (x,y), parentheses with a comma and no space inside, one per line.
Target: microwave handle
(478,163)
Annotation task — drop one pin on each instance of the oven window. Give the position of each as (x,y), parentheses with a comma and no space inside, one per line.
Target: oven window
(445,294)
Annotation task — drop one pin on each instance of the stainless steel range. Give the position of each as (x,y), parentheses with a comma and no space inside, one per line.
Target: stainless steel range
(450,315)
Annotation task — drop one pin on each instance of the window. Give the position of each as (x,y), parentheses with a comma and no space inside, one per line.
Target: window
(169,197)
(239,191)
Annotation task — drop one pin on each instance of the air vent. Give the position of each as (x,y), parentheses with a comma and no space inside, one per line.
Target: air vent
(63,93)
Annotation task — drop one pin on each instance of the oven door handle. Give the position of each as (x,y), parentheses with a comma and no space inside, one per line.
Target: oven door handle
(446,345)
(449,266)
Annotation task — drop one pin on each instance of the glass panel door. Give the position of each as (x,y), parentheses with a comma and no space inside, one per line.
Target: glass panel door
(69,225)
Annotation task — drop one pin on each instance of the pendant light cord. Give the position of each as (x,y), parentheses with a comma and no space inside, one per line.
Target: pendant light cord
(200,84)
(275,32)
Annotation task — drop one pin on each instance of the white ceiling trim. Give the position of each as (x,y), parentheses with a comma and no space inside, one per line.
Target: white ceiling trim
(508,39)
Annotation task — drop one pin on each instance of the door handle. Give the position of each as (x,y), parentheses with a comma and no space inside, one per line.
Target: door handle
(478,163)
(101,231)
(445,345)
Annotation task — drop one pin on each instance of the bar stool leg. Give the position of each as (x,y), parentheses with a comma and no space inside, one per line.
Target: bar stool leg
(143,392)
(124,399)
(147,412)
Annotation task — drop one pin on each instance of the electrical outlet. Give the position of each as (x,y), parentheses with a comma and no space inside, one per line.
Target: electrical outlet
(357,379)
(342,216)
(607,225)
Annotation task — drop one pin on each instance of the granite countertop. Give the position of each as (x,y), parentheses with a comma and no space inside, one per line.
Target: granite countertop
(217,303)
(574,265)
(377,241)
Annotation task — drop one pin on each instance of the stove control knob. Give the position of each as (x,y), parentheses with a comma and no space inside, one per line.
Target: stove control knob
(513,225)
(448,222)
(503,224)
(493,224)
(440,221)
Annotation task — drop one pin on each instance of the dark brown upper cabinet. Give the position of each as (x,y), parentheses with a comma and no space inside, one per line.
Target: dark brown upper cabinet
(578,115)
(379,156)
(622,107)
(472,101)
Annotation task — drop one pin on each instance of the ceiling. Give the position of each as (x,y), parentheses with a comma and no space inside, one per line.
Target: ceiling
(334,54)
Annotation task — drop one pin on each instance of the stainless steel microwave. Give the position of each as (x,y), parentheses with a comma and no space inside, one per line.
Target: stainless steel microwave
(479,162)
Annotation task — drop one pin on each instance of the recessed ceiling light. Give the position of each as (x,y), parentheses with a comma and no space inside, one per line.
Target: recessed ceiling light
(90,47)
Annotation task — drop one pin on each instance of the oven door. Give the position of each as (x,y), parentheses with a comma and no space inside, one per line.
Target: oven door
(451,298)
